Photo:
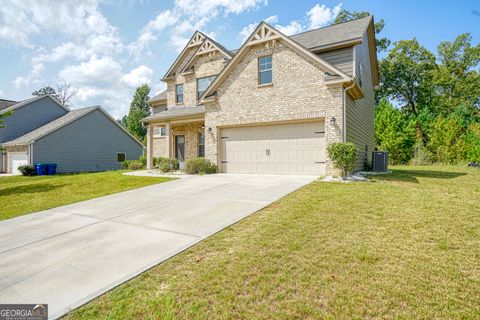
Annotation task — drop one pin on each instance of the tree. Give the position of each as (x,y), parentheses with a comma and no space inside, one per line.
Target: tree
(139,109)
(2,118)
(406,76)
(44,91)
(393,133)
(457,79)
(64,92)
(345,15)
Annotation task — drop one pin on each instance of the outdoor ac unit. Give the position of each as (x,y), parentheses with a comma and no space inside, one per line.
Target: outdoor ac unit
(379,161)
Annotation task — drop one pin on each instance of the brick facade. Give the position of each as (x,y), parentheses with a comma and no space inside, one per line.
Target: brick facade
(298,92)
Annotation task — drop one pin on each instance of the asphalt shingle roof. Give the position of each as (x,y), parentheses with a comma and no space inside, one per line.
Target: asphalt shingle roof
(332,34)
(176,112)
(4,104)
(159,97)
(51,126)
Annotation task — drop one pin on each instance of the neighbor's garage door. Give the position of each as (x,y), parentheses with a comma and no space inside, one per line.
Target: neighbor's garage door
(15,160)
(296,148)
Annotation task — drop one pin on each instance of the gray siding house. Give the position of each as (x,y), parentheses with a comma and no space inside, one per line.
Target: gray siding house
(41,130)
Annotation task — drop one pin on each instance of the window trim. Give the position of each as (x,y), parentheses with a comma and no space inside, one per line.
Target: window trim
(125,155)
(177,94)
(198,147)
(260,71)
(161,135)
(212,76)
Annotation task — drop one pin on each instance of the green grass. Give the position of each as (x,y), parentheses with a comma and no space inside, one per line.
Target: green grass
(21,195)
(406,246)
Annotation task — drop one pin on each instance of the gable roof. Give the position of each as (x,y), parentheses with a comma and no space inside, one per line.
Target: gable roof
(194,41)
(335,34)
(162,96)
(30,100)
(264,32)
(4,104)
(61,122)
(208,45)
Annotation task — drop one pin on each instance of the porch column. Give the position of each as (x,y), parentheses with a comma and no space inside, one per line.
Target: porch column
(149,147)
(168,138)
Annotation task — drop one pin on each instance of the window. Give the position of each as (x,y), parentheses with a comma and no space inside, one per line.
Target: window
(265,70)
(121,157)
(201,145)
(179,93)
(202,85)
(160,131)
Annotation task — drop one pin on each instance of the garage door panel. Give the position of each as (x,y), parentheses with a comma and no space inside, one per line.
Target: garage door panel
(297,148)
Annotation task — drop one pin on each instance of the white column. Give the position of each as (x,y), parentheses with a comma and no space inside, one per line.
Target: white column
(168,138)
(149,147)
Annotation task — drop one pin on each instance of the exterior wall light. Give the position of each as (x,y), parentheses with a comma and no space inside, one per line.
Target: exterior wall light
(209,129)
(333,121)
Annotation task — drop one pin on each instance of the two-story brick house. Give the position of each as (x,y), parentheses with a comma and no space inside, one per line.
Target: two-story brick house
(273,105)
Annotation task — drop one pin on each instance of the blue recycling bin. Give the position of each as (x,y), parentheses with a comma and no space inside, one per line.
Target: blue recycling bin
(51,169)
(41,169)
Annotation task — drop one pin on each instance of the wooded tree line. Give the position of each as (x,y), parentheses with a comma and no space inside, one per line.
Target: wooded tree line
(428,105)
(435,115)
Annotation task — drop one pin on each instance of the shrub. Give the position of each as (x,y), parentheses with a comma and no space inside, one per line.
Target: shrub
(27,170)
(200,166)
(166,164)
(135,165)
(143,160)
(343,156)
(125,164)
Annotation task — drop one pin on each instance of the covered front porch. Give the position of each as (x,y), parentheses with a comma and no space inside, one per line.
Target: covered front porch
(180,138)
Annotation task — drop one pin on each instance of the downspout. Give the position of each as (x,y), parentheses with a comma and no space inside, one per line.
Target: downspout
(344,111)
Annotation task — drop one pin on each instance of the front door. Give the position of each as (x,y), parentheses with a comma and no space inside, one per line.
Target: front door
(180,150)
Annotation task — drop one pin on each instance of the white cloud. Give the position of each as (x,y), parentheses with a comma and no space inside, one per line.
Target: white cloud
(1,92)
(138,76)
(317,16)
(33,78)
(185,17)
(95,70)
(321,15)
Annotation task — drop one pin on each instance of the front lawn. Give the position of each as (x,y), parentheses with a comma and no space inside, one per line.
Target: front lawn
(21,195)
(405,246)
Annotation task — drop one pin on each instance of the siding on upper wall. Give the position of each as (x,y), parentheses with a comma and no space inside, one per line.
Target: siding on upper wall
(89,143)
(31,116)
(360,113)
(340,58)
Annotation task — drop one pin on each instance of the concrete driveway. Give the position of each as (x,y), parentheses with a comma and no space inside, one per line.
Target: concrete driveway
(68,255)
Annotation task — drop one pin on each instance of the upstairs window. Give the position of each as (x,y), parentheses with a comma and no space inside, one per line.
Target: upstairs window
(179,93)
(202,85)
(265,70)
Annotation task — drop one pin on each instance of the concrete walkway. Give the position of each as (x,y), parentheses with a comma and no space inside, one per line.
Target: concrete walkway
(69,255)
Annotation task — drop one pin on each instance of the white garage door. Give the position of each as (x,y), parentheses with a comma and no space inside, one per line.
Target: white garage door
(15,160)
(296,148)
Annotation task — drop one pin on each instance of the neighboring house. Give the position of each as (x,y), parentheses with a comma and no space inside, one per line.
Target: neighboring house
(41,130)
(273,105)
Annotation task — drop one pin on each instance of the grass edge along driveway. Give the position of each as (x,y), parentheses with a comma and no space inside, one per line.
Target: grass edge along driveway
(21,195)
(402,246)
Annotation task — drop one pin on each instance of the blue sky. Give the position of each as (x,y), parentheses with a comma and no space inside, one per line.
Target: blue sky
(107,48)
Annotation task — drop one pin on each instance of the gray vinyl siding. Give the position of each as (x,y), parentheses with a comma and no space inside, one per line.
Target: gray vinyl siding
(360,113)
(31,116)
(340,58)
(89,143)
